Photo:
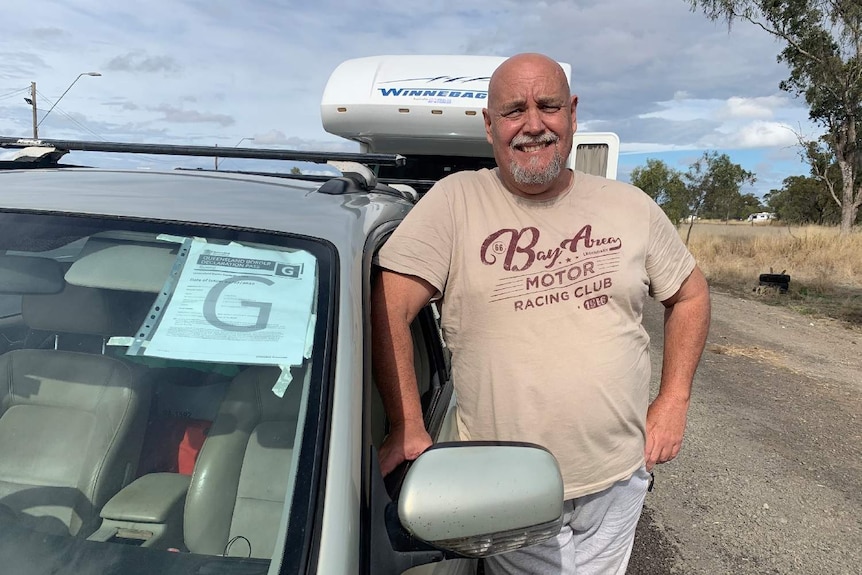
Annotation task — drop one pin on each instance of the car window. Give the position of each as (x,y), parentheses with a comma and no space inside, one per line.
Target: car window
(162,385)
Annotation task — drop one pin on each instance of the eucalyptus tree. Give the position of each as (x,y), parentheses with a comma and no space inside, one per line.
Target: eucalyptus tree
(823,49)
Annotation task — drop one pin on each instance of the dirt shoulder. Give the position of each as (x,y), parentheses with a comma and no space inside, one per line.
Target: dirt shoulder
(843,303)
(770,476)
(821,348)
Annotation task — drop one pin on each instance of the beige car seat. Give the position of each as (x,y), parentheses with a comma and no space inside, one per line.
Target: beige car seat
(71,423)
(236,498)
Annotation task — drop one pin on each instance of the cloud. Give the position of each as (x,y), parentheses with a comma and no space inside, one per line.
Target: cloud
(49,33)
(126,105)
(760,134)
(734,123)
(650,148)
(140,62)
(183,116)
(621,67)
(685,109)
(763,107)
(661,132)
(14,65)
(666,79)
(278,138)
(270,138)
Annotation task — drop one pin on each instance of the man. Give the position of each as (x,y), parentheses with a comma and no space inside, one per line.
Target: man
(542,273)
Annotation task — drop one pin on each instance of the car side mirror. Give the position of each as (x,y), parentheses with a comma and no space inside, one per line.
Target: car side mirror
(477,499)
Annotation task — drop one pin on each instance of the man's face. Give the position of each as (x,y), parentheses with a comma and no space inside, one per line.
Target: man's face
(529,122)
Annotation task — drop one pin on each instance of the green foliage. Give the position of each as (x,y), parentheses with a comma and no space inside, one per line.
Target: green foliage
(715,184)
(711,188)
(823,49)
(749,204)
(665,186)
(804,200)
(654,178)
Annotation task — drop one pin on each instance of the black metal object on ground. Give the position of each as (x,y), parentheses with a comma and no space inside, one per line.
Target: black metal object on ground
(780,281)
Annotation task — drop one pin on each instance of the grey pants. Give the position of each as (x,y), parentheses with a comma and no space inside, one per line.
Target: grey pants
(596,538)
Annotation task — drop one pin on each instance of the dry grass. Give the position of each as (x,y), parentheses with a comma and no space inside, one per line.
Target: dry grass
(753,352)
(825,268)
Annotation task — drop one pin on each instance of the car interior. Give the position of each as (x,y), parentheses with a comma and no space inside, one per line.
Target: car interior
(157,452)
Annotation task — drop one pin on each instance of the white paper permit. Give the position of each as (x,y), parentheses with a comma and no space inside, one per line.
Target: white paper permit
(170,238)
(283,381)
(234,303)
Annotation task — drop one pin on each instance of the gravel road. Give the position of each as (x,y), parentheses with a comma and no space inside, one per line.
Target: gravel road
(769,480)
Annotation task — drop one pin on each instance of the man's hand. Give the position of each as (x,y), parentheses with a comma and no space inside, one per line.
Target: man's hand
(404,443)
(665,426)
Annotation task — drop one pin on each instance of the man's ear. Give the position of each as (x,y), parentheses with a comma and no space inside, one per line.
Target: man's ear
(574,110)
(487,117)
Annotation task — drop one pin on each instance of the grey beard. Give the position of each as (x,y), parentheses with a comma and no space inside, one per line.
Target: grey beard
(532,176)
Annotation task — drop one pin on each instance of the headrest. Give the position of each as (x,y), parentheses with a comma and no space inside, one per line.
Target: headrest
(110,264)
(85,311)
(27,274)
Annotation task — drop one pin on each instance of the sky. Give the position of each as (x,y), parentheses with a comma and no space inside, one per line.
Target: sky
(669,82)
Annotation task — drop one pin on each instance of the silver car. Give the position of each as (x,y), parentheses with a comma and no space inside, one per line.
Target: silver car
(187,384)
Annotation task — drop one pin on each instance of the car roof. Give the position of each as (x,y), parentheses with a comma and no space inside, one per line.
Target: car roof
(229,199)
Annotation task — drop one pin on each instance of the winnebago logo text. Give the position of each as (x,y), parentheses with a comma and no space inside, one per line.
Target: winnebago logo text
(417,91)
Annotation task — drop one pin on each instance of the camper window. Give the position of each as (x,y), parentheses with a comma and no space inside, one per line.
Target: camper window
(592,159)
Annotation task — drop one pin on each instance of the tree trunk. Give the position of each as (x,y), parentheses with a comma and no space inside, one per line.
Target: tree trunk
(688,233)
(849,206)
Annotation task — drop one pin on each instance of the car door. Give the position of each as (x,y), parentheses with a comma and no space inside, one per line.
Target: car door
(432,367)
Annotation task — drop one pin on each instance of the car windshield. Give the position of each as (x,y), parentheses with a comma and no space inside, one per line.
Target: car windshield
(161,394)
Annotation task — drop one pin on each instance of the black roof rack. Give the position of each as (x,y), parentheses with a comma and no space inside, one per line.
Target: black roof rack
(353,167)
(332,184)
(206,151)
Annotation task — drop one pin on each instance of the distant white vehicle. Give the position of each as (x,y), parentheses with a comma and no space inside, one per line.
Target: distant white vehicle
(429,108)
(761,217)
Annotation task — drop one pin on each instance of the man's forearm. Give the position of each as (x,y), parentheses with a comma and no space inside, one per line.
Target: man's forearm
(394,374)
(685,329)
(392,359)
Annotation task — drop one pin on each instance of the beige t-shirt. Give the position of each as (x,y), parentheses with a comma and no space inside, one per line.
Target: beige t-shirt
(541,308)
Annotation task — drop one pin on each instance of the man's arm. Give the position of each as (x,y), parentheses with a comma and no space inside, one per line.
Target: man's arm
(396,299)
(686,323)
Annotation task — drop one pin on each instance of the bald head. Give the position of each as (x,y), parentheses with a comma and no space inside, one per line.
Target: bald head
(526,65)
(530,122)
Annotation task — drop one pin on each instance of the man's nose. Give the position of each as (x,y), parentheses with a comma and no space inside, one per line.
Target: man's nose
(533,123)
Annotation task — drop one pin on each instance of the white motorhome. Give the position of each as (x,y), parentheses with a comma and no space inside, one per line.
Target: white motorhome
(761,217)
(429,108)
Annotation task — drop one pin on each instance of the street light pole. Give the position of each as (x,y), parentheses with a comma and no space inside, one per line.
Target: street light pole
(35,116)
(33,88)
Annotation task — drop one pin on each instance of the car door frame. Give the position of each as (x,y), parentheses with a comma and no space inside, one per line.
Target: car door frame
(435,403)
